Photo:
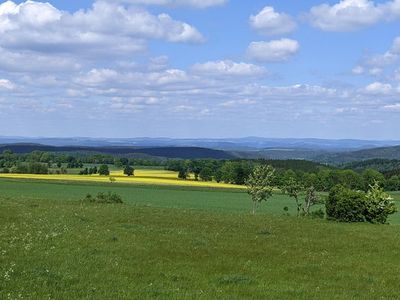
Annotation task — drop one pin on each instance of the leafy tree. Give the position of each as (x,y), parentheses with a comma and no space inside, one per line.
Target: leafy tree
(206,174)
(259,184)
(218,175)
(104,170)
(311,199)
(129,170)
(393,183)
(293,188)
(195,166)
(371,176)
(183,174)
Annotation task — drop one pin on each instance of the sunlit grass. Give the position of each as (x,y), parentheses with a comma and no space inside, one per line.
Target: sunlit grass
(142,176)
(67,250)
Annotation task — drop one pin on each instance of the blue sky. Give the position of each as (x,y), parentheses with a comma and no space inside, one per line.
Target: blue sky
(210,68)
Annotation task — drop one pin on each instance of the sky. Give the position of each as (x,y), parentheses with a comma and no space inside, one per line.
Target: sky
(200,68)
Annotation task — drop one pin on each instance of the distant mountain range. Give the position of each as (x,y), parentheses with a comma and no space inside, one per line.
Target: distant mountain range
(318,150)
(231,144)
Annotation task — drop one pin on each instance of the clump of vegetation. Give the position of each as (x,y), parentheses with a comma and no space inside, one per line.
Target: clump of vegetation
(104,170)
(104,198)
(347,205)
(129,170)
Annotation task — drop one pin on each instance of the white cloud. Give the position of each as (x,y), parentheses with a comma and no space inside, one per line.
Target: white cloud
(376,65)
(193,3)
(350,15)
(388,58)
(105,28)
(228,68)
(396,75)
(379,88)
(275,51)
(111,80)
(270,22)
(6,84)
(392,107)
(99,76)
(238,103)
(358,70)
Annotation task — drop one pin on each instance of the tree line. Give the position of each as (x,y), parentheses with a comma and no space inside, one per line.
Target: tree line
(321,177)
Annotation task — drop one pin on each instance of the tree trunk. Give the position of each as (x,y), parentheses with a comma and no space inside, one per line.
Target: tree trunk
(298,206)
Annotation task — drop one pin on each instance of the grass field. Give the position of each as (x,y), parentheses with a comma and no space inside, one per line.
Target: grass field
(142,176)
(170,242)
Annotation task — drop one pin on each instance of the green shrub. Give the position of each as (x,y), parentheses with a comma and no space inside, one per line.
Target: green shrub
(346,205)
(379,205)
(104,198)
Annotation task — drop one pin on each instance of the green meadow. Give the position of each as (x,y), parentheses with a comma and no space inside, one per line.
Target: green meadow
(183,243)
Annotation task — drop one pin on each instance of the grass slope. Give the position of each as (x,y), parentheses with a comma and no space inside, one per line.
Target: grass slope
(66,250)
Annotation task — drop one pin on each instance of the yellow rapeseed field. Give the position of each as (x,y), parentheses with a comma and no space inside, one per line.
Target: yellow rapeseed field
(151,177)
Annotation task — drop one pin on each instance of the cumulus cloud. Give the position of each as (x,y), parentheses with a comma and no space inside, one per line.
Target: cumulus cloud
(270,22)
(6,84)
(274,51)
(379,88)
(106,27)
(350,15)
(228,68)
(192,3)
(110,80)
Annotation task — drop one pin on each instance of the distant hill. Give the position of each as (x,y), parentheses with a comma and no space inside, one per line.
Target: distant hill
(281,154)
(382,165)
(391,153)
(161,152)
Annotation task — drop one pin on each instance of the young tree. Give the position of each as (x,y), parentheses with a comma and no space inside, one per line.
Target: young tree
(310,200)
(293,189)
(379,205)
(129,171)
(259,184)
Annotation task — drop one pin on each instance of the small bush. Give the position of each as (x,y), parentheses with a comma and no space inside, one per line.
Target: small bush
(104,198)
(347,205)
(379,205)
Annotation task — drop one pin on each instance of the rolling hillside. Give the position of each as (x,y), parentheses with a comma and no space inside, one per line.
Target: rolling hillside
(367,154)
(162,152)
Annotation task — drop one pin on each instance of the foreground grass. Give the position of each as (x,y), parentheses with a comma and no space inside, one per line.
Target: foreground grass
(66,250)
(207,199)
